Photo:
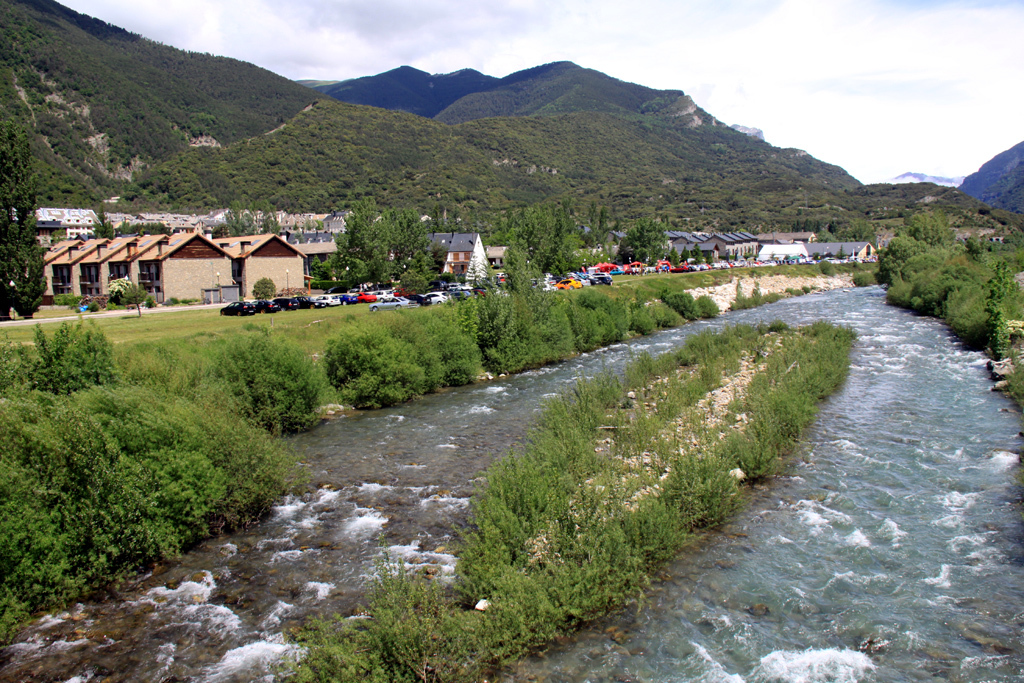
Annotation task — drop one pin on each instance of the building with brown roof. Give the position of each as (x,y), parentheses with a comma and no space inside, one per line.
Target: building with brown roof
(172,266)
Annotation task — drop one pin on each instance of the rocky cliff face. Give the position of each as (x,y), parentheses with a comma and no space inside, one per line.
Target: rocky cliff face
(746,130)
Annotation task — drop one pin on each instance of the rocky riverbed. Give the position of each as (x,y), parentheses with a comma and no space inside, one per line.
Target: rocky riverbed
(724,295)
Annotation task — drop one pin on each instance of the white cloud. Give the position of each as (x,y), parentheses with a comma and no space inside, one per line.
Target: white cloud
(879,87)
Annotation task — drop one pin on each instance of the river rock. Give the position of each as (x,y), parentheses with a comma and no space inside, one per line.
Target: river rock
(1000,369)
(759,610)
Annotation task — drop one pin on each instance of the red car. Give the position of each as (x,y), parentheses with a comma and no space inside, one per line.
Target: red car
(365,298)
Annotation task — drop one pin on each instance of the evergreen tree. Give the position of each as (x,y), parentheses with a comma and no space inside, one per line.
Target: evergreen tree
(22,282)
(104,230)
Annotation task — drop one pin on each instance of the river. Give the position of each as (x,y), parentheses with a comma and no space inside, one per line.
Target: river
(889,549)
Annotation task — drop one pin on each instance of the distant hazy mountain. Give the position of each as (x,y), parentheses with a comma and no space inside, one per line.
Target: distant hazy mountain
(1000,181)
(925,178)
(746,130)
(407,89)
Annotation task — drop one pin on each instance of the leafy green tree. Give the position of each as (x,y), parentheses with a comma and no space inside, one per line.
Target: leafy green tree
(894,259)
(547,235)
(239,220)
(22,282)
(128,293)
(931,228)
(135,295)
(264,288)
(647,240)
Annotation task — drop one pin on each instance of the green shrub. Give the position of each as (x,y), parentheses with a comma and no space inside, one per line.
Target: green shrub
(683,304)
(371,368)
(72,359)
(706,307)
(93,307)
(276,385)
(70,300)
(864,279)
(827,268)
(663,316)
(640,321)
(150,302)
(99,482)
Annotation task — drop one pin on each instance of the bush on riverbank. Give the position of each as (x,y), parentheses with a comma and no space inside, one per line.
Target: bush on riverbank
(563,532)
(98,482)
(111,460)
(387,360)
(973,291)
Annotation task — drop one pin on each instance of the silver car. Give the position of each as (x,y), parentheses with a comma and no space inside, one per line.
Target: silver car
(388,302)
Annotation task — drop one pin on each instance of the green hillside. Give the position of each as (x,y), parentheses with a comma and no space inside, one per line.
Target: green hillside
(335,154)
(103,103)
(1000,181)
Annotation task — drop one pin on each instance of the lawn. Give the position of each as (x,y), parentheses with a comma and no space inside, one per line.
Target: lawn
(307,327)
(311,328)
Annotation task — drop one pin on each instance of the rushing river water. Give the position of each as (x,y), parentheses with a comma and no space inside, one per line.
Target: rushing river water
(889,550)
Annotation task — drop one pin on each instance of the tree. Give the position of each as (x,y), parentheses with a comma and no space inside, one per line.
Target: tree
(104,230)
(22,282)
(124,291)
(931,228)
(646,239)
(893,260)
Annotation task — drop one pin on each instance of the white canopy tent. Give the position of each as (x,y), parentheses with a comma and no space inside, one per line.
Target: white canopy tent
(782,252)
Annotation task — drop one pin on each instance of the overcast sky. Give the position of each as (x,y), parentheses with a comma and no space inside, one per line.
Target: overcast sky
(879,87)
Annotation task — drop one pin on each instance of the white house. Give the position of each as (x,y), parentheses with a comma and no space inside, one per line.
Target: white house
(466,254)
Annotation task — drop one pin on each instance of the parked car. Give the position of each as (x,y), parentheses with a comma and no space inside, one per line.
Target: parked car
(434,298)
(326,299)
(386,303)
(616,271)
(569,283)
(239,308)
(336,290)
(288,304)
(365,298)
(601,279)
(455,295)
(264,306)
(306,302)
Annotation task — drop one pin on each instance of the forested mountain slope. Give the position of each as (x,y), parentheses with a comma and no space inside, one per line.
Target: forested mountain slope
(1000,181)
(102,102)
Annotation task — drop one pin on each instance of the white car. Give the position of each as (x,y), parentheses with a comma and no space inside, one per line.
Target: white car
(434,298)
(328,299)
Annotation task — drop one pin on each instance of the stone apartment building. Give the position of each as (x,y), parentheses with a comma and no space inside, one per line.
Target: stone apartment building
(178,266)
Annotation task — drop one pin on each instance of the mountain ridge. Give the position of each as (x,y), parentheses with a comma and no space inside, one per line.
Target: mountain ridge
(1000,180)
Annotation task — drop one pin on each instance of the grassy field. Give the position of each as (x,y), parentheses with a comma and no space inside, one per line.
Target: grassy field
(311,328)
